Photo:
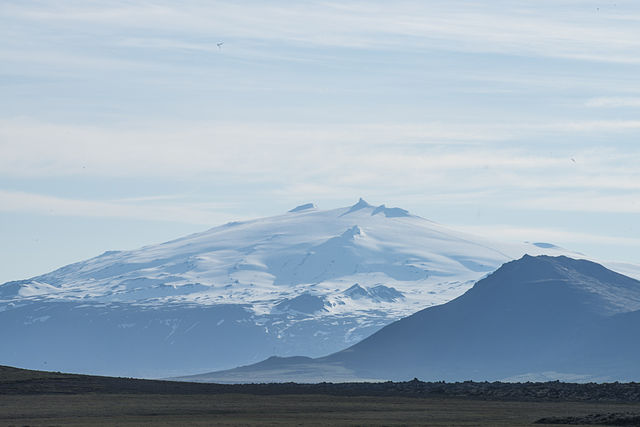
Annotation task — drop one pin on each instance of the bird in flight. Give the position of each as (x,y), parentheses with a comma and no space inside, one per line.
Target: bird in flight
(219,44)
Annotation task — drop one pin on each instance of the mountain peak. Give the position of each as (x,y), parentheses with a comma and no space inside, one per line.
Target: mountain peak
(582,284)
(382,209)
(361,204)
(390,212)
(304,207)
(353,232)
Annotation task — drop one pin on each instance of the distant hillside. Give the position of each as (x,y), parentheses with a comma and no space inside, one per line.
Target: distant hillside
(537,318)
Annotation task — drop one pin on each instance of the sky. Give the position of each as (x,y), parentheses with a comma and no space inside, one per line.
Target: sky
(123,123)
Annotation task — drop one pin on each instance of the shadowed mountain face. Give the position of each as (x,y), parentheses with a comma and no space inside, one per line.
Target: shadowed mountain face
(537,317)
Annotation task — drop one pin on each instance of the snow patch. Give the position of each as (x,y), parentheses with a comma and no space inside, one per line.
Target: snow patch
(378,293)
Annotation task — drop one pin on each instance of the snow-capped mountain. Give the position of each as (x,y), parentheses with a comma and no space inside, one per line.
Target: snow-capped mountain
(537,318)
(309,282)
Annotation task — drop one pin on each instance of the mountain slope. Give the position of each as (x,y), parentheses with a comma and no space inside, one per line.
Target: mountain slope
(309,282)
(537,317)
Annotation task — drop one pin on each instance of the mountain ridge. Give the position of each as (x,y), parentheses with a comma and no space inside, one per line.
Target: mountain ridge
(541,316)
(282,281)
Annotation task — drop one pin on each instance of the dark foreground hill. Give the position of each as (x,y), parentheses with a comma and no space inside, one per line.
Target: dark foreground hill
(37,398)
(15,381)
(537,317)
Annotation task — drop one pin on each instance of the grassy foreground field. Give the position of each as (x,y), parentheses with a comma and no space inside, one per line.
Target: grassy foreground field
(32,398)
(241,409)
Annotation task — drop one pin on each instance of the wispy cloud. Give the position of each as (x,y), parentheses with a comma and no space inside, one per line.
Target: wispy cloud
(295,157)
(40,149)
(243,149)
(592,126)
(558,29)
(454,103)
(622,203)
(614,102)
(549,235)
(194,213)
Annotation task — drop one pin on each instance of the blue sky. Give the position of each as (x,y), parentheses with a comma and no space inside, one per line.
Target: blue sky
(123,124)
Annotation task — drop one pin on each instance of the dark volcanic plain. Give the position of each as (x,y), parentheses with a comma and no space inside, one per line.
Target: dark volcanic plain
(36,398)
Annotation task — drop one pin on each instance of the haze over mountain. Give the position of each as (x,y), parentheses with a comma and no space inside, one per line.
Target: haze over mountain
(537,318)
(309,282)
